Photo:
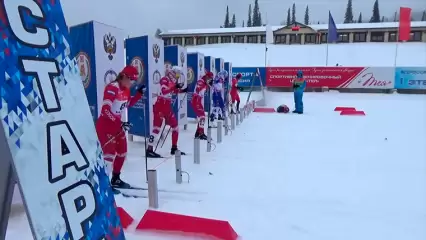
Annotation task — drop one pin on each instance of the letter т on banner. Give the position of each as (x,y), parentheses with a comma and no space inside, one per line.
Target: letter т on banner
(55,154)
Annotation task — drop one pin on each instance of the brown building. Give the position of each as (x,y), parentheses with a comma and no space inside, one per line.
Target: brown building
(295,34)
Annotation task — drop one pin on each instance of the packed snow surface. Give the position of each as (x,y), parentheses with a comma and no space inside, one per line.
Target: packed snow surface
(317,176)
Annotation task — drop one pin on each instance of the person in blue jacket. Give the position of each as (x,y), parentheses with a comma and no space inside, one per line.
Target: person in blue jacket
(299,85)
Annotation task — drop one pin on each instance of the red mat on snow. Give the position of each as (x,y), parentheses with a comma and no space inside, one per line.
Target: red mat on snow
(264,110)
(174,223)
(125,218)
(352,113)
(344,108)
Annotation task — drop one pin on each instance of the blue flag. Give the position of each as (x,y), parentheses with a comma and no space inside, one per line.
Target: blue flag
(332,30)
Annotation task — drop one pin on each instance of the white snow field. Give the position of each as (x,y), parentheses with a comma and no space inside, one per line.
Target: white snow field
(346,54)
(317,176)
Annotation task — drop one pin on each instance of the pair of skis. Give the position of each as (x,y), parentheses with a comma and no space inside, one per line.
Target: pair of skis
(139,192)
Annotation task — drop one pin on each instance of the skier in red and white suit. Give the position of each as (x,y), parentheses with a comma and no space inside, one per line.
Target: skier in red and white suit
(235,97)
(197,103)
(163,109)
(109,127)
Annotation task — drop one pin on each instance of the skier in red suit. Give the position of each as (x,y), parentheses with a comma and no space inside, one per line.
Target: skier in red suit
(163,110)
(235,97)
(109,126)
(197,103)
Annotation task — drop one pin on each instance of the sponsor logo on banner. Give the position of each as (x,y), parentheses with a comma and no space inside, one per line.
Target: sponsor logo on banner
(156,77)
(333,77)
(410,78)
(110,45)
(190,75)
(156,52)
(110,76)
(212,68)
(182,59)
(200,65)
(137,62)
(84,68)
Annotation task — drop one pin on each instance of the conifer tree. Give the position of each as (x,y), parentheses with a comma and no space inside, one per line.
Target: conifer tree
(349,16)
(375,18)
(226,24)
(306,20)
(249,20)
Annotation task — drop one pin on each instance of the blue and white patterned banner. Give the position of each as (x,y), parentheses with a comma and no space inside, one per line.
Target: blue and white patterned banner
(55,151)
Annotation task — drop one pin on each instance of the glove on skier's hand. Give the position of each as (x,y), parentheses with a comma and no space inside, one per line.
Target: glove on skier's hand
(125,126)
(141,88)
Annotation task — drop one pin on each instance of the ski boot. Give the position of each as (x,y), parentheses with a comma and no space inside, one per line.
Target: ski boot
(116,181)
(220,118)
(174,149)
(212,117)
(201,136)
(151,154)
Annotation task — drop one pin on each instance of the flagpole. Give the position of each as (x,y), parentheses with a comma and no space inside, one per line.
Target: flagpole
(396,47)
(326,54)
(266,39)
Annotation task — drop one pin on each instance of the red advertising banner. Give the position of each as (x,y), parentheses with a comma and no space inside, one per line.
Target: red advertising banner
(333,77)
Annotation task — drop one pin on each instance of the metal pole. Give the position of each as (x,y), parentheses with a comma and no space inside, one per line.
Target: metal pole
(242,116)
(326,55)
(219,131)
(209,139)
(152,188)
(237,115)
(232,121)
(178,164)
(197,151)
(226,126)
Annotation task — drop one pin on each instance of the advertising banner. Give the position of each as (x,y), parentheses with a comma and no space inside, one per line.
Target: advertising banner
(147,55)
(249,74)
(228,68)
(109,55)
(195,72)
(84,53)
(209,65)
(410,78)
(47,131)
(220,65)
(333,77)
(176,56)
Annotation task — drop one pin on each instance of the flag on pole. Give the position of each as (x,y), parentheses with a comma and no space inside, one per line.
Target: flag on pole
(404,23)
(332,30)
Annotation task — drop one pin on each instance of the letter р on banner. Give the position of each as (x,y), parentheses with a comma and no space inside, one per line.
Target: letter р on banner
(55,152)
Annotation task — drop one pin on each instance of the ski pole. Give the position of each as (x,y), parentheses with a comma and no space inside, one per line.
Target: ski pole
(162,131)
(112,139)
(146,146)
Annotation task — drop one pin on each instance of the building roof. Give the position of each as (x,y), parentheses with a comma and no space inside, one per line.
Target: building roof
(316,27)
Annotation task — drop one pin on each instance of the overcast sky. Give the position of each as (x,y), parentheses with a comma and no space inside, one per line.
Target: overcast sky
(138,17)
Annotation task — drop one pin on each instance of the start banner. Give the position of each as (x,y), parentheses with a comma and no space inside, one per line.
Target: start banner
(333,77)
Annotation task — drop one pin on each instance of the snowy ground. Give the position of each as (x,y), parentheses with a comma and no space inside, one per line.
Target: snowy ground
(319,176)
